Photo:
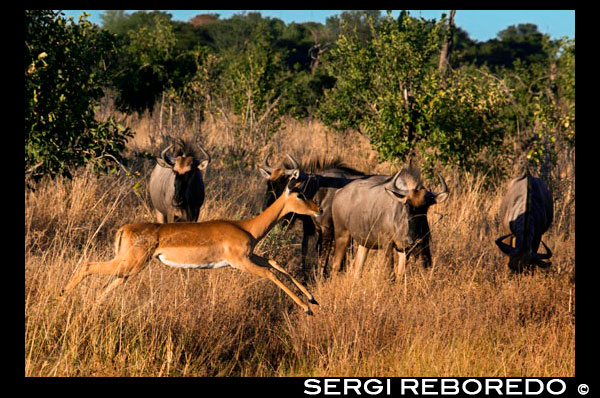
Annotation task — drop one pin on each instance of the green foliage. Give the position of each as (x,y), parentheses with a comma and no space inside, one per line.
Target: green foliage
(255,79)
(119,23)
(389,88)
(63,82)
(542,109)
(353,21)
(522,42)
(146,65)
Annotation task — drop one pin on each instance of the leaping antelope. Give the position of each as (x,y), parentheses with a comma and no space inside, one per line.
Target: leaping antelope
(323,176)
(206,245)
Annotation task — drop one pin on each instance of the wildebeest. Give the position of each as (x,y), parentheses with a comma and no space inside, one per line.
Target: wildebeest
(176,186)
(321,177)
(385,212)
(526,212)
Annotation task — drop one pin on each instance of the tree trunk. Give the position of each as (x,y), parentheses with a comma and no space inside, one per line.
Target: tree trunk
(447,47)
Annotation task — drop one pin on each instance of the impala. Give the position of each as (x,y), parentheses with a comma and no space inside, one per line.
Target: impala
(323,176)
(206,245)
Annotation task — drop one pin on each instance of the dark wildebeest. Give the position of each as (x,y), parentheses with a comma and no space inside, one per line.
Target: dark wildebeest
(385,212)
(176,186)
(526,212)
(322,177)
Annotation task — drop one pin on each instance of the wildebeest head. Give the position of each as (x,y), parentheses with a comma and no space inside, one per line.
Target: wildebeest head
(406,187)
(278,178)
(526,225)
(188,186)
(316,173)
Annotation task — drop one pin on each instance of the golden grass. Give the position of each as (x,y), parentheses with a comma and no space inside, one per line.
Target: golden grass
(468,316)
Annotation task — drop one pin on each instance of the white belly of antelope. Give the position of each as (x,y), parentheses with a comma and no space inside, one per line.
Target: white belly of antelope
(175,264)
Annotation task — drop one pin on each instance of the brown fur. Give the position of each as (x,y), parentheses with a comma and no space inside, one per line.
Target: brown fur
(183,164)
(208,243)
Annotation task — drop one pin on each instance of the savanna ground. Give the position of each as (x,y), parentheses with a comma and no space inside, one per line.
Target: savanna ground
(468,316)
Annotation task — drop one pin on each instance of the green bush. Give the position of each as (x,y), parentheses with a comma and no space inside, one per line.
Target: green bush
(63,82)
(390,89)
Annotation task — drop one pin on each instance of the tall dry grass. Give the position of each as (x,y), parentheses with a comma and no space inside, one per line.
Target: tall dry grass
(467,316)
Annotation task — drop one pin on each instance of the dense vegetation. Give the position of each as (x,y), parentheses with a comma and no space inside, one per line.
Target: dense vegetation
(366,88)
(491,103)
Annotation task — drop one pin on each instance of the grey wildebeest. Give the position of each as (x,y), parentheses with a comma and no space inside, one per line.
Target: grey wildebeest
(526,212)
(385,212)
(176,186)
(321,177)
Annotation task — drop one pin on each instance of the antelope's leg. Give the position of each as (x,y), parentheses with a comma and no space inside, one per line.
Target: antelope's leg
(105,267)
(265,262)
(359,261)
(246,264)
(129,261)
(116,282)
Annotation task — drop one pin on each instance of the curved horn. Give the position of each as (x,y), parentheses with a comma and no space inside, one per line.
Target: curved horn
(392,184)
(443,194)
(506,249)
(392,188)
(204,153)
(163,155)
(444,186)
(295,165)
(266,166)
(545,256)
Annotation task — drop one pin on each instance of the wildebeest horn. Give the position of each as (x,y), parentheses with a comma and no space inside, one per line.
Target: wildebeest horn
(266,166)
(205,153)
(538,259)
(506,249)
(168,160)
(391,185)
(443,192)
(538,256)
(295,165)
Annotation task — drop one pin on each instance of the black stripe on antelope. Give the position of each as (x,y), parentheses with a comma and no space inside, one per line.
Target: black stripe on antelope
(321,177)
(526,212)
(385,212)
(176,185)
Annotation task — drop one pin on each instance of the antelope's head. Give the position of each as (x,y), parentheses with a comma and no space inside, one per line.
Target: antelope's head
(295,201)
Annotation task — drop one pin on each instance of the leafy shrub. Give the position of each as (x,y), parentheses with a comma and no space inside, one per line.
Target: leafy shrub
(63,82)
(390,89)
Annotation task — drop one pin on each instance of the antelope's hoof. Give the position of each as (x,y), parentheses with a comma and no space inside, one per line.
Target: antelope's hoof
(313,301)
(309,312)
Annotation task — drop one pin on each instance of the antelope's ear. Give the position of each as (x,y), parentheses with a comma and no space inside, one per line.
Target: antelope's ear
(203,164)
(293,183)
(264,173)
(397,196)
